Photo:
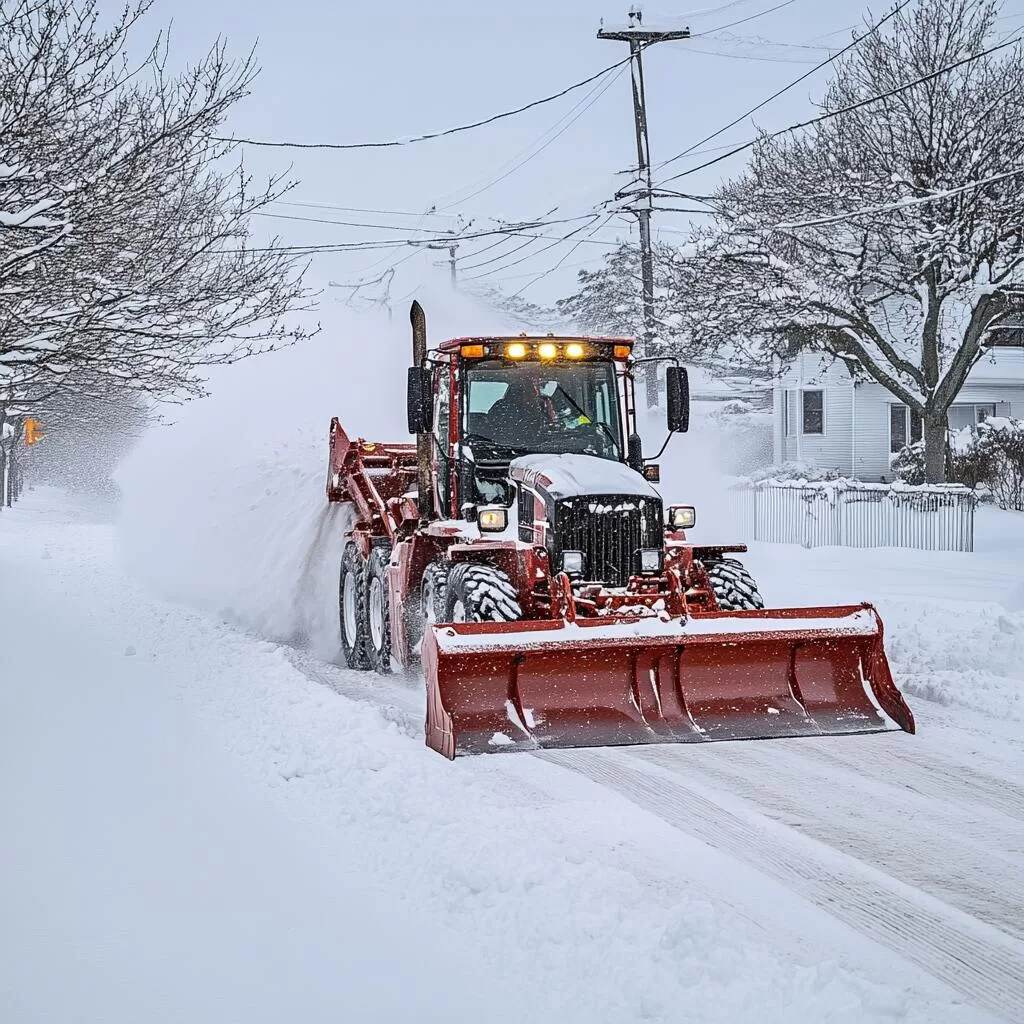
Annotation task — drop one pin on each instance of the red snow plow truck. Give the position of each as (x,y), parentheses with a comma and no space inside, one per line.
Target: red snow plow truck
(519,555)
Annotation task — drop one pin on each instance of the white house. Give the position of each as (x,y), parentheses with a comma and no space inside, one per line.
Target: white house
(823,418)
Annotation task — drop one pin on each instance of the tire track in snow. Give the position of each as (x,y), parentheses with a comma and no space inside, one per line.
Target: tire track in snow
(988,971)
(927,773)
(973,862)
(983,965)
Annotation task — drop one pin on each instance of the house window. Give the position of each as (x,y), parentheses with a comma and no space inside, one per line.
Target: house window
(813,409)
(964,415)
(904,427)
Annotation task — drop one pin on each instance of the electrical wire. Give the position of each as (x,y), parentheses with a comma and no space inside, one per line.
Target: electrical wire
(360,209)
(901,204)
(748,56)
(390,243)
(546,248)
(583,106)
(426,136)
(504,256)
(847,109)
(342,223)
(753,110)
(547,273)
(743,21)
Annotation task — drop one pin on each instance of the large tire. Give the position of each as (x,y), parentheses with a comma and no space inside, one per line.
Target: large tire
(429,608)
(352,608)
(433,592)
(734,588)
(378,611)
(480,593)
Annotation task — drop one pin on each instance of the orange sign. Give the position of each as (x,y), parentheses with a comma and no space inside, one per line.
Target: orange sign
(33,431)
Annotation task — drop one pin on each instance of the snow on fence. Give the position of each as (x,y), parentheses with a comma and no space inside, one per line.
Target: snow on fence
(847,513)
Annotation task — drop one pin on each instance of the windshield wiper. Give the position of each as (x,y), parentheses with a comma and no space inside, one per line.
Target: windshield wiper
(582,412)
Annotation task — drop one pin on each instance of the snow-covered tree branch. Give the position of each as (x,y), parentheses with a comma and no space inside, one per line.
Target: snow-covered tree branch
(892,234)
(124,253)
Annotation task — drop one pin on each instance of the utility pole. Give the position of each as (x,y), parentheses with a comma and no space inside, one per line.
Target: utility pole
(452,248)
(452,245)
(639,38)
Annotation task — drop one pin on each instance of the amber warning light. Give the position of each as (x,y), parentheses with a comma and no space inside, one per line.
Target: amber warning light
(33,432)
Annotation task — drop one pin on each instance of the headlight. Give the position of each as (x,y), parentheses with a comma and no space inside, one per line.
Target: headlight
(572,562)
(682,517)
(492,520)
(650,559)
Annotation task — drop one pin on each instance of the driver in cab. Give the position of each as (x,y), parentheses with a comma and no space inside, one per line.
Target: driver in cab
(523,414)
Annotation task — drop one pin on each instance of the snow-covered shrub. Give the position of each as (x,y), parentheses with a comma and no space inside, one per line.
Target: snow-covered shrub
(908,464)
(1000,444)
(794,471)
(968,462)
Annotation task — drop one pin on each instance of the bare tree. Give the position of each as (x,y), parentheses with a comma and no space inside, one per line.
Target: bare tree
(892,234)
(124,252)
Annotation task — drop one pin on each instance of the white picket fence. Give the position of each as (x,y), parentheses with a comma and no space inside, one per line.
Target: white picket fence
(851,514)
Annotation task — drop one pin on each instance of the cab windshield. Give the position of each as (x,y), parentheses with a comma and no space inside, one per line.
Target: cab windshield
(542,407)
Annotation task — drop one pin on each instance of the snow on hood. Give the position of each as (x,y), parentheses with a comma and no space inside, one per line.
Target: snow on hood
(570,476)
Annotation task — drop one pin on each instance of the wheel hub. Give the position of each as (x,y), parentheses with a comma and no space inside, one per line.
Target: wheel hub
(376,613)
(348,605)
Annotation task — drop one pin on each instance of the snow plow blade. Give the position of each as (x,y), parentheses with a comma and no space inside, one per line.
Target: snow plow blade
(494,687)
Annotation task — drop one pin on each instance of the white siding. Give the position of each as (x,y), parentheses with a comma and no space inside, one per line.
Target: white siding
(871,462)
(864,410)
(984,394)
(832,449)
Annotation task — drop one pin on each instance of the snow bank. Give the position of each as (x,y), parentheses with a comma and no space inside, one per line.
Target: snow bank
(954,622)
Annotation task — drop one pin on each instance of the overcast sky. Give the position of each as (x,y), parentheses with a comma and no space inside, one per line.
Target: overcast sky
(346,71)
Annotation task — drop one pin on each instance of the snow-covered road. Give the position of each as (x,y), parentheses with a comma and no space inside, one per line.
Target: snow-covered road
(203,825)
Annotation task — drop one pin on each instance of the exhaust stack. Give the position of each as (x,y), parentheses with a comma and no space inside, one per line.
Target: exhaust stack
(425,494)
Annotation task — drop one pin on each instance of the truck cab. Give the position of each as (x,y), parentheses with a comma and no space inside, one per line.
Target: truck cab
(490,401)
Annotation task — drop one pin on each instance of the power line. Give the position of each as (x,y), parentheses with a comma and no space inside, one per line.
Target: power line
(845,110)
(547,273)
(753,110)
(747,56)
(392,143)
(532,240)
(361,209)
(390,243)
(531,256)
(343,223)
(900,204)
(583,106)
(751,17)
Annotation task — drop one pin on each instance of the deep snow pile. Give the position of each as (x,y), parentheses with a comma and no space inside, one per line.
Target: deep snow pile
(954,622)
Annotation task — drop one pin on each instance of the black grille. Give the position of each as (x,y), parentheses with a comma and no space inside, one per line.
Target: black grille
(610,530)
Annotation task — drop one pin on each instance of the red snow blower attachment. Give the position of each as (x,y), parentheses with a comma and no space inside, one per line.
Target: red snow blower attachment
(521,557)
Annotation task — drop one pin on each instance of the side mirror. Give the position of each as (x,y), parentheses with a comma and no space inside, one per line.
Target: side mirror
(677,387)
(419,401)
(634,453)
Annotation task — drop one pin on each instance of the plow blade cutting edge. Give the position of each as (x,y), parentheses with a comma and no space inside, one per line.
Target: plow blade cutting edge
(495,687)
